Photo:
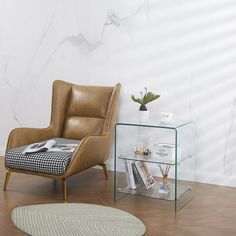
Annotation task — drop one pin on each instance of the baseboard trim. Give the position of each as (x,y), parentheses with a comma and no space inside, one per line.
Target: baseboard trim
(110,165)
(220,179)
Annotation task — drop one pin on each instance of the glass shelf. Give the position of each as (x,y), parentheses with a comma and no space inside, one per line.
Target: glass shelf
(149,158)
(153,192)
(180,159)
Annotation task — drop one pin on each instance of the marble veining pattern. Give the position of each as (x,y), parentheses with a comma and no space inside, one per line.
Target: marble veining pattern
(82,43)
(184,50)
(11,89)
(45,32)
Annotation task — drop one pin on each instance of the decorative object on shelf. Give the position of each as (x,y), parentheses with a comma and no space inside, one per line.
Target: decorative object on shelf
(130,174)
(166,117)
(165,151)
(164,189)
(140,149)
(143,174)
(145,98)
(164,171)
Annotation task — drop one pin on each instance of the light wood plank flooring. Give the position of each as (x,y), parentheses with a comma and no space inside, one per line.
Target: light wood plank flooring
(211,213)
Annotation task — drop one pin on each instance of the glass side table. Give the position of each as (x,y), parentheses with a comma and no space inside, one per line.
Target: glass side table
(170,158)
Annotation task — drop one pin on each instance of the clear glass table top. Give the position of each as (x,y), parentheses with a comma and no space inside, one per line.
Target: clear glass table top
(155,122)
(149,158)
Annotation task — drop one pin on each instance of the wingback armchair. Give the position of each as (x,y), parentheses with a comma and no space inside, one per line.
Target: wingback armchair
(85,113)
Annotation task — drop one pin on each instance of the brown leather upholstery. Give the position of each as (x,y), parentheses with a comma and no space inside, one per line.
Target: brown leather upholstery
(87,113)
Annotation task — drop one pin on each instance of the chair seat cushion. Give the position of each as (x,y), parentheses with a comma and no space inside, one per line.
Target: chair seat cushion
(53,163)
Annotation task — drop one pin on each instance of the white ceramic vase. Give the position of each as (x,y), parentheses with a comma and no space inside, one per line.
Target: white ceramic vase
(143,115)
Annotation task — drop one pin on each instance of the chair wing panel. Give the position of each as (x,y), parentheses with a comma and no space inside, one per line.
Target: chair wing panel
(93,150)
(60,100)
(23,136)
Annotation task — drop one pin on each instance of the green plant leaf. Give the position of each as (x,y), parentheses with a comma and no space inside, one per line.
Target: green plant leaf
(138,100)
(149,97)
(145,98)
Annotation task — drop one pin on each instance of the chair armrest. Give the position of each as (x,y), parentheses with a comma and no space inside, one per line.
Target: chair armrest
(93,150)
(23,136)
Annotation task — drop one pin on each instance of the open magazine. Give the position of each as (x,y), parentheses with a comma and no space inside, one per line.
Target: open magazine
(49,145)
(138,174)
(144,174)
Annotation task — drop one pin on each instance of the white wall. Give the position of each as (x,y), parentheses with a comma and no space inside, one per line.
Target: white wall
(184,50)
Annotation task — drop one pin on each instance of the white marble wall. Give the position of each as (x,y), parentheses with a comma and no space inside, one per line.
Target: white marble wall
(184,50)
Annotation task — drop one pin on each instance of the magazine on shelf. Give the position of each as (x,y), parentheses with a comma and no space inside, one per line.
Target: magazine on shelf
(127,175)
(130,174)
(144,174)
(49,145)
(137,178)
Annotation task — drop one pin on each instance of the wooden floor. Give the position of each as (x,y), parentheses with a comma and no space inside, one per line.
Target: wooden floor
(212,212)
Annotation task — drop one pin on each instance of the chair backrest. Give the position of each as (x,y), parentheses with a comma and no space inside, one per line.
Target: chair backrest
(78,111)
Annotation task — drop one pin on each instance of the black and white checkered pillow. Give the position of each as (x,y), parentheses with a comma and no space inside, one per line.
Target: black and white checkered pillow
(54,163)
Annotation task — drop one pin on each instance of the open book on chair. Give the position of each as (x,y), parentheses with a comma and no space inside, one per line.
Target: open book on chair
(49,145)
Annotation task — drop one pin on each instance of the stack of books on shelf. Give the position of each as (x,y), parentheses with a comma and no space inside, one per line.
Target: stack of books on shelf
(138,174)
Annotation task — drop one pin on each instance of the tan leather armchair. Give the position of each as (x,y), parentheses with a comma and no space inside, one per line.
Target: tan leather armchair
(85,113)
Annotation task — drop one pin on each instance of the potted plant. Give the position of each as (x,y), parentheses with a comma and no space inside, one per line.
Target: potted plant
(145,98)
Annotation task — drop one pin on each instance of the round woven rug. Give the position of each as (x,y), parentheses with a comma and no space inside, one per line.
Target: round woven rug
(76,219)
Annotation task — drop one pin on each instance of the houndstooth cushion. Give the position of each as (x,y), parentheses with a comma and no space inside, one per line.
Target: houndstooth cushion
(54,163)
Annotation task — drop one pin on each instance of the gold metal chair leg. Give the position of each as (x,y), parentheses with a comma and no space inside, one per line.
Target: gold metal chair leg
(64,190)
(104,167)
(8,175)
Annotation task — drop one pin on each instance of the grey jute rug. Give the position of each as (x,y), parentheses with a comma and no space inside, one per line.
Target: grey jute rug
(76,219)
